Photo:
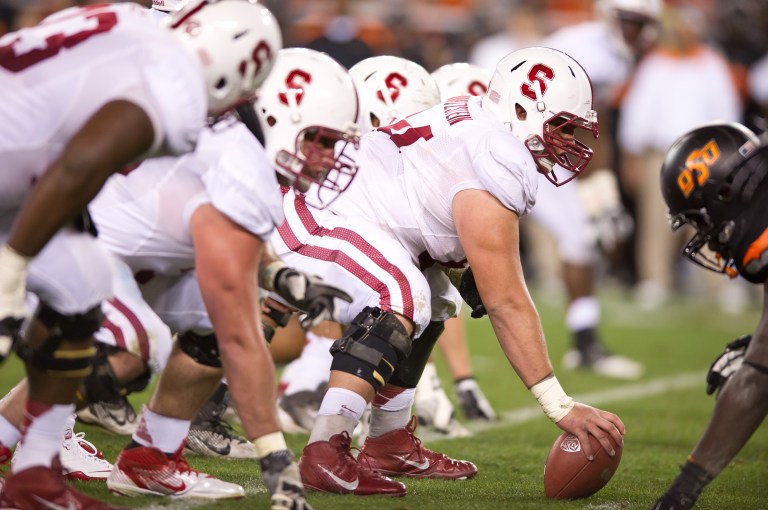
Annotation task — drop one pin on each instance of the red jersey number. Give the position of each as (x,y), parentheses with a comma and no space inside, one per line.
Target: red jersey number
(47,39)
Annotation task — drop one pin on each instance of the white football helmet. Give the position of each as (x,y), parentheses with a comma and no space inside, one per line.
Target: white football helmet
(633,24)
(235,42)
(390,88)
(543,95)
(461,79)
(307,106)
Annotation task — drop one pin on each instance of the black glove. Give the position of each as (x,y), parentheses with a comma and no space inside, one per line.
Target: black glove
(309,295)
(727,363)
(468,291)
(281,476)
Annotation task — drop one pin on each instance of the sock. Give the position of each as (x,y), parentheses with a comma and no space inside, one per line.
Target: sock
(162,432)
(391,410)
(43,430)
(9,434)
(69,426)
(340,411)
(688,485)
(583,313)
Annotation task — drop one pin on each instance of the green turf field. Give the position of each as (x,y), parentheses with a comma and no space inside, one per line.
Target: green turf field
(664,413)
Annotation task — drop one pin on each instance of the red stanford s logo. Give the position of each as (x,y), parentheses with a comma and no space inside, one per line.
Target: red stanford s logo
(296,80)
(538,73)
(394,82)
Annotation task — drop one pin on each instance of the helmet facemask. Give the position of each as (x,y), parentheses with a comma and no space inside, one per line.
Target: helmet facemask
(707,247)
(320,161)
(558,147)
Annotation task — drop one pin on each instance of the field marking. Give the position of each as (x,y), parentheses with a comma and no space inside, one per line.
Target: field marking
(683,381)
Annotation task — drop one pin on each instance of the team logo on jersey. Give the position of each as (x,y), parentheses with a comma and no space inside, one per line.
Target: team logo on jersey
(696,171)
(393,83)
(295,82)
(477,88)
(540,74)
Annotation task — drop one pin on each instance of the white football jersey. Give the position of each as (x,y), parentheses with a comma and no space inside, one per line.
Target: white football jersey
(56,75)
(410,172)
(143,217)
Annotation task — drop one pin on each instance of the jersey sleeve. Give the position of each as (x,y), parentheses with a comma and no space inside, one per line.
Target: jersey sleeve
(240,180)
(179,103)
(506,169)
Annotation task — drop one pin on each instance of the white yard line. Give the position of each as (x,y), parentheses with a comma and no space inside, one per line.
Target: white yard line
(683,381)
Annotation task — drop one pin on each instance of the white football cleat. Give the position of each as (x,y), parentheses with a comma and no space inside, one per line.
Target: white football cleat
(147,471)
(433,407)
(609,365)
(81,460)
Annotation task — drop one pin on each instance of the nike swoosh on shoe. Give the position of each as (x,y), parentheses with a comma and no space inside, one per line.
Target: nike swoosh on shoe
(350,486)
(422,466)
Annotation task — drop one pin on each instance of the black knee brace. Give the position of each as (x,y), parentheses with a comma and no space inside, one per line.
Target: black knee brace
(58,362)
(409,372)
(202,348)
(101,385)
(373,345)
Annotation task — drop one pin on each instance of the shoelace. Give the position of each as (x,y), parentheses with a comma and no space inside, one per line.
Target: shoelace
(86,446)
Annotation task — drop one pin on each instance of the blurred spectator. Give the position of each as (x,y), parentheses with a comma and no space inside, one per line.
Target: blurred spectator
(524,26)
(341,40)
(678,86)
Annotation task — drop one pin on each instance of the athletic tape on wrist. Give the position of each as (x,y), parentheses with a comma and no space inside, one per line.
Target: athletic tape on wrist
(552,399)
(269,443)
(269,274)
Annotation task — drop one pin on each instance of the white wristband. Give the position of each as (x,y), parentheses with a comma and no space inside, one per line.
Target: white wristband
(552,399)
(269,443)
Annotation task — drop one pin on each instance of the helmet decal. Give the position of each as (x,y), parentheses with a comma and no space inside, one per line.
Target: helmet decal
(394,83)
(696,170)
(539,74)
(295,81)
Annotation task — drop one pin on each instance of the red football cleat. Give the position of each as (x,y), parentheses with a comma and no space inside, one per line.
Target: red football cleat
(44,487)
(328,466)
(399,453)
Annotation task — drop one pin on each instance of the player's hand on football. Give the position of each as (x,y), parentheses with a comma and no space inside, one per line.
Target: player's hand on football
(727,363)
(583,420)
(281,476)
(13,278)
(310,295)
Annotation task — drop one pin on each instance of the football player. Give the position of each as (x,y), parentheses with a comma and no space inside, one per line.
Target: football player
(713,179)
(390,88)
(86,93)
(193,231)
(608,48)
(443,187)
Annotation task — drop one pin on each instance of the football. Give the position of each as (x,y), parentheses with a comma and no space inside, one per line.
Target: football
(569,475)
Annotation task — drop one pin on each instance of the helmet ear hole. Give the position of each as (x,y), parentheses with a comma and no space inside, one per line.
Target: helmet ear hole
(221,83)
(521,112)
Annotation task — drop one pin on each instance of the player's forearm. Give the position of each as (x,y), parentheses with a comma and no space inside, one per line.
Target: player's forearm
(519,333)
(56,199)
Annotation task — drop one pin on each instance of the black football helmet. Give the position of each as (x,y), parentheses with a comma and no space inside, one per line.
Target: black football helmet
(703,183)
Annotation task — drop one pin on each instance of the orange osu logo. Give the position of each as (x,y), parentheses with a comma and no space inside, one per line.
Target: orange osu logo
(697,164)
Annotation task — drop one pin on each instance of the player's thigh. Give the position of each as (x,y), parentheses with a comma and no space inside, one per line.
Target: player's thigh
(72,274)
(177,300)
(131,325)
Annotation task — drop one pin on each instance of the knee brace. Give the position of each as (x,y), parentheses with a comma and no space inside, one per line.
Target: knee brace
(373,345)
(50,357)
(409,372)
(202,348)
(101,385)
